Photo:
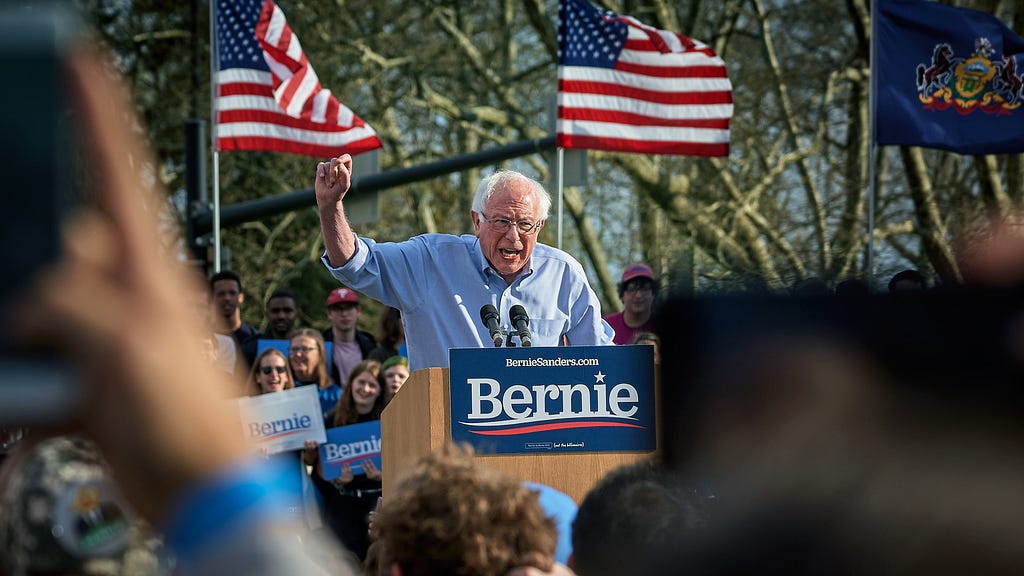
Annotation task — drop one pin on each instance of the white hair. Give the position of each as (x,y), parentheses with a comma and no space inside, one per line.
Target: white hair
(486,187)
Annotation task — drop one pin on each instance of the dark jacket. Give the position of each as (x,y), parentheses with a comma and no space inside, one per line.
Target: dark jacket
(366,343)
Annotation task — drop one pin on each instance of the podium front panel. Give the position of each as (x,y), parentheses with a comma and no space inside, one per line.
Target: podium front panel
(553,400)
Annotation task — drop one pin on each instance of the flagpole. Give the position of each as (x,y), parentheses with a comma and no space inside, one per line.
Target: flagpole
(872,146)
(559,163)
(214,56)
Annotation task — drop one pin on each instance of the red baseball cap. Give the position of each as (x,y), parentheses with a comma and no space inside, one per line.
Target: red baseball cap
(340,295)
(637,271)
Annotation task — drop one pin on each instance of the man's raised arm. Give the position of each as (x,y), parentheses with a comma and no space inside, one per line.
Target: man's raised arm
(332,183)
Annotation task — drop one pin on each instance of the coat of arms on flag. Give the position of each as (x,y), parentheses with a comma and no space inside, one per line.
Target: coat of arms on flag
(978,82)
(936,67)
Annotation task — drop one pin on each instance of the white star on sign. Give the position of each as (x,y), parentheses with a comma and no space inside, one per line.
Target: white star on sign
(599,377)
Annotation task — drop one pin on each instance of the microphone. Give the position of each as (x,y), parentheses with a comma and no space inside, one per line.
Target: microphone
(517,315)
(489,316)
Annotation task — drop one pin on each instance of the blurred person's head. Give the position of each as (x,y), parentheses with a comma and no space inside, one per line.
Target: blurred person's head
(810,286)
(907,281)
(853,288)
(394,373)
(637,513)
(392,332)
(838,445)
(282,312)
(990,250)
(650,339)
(270,373)
(363,395)
(920,493)
(308,357)
(452,516)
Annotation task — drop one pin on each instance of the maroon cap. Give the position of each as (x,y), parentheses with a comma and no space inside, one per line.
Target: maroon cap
(340,295)
(637,271)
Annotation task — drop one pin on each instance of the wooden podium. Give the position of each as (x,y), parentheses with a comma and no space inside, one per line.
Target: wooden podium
(418,421)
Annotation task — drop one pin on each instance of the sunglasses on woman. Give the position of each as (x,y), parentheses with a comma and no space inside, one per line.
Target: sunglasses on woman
(266,370)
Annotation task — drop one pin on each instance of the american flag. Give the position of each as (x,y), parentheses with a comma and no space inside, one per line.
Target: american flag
(268,95)
(627,87)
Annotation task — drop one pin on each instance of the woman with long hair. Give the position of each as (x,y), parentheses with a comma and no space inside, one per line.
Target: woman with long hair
(308,358)
(350,498)
(363,398)
(270,374)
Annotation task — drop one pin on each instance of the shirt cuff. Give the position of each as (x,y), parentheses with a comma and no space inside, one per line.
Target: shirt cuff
(245,494)
(354,263)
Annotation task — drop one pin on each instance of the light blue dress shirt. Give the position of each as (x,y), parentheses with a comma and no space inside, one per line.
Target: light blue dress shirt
(440,282)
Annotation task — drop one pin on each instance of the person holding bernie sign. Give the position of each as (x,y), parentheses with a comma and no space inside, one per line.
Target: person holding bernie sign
(348,474)
(270,374)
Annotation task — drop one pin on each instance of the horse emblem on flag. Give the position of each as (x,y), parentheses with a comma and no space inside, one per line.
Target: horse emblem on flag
(967,84)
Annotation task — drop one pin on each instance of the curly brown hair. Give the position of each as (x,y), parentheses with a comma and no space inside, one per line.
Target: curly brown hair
(453,516)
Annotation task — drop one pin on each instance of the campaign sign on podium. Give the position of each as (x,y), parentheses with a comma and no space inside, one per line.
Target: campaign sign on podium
(559,399)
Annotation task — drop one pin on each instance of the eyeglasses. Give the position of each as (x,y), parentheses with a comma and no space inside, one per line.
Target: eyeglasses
(525,227)
(640,288)
(266,370)
(302,349)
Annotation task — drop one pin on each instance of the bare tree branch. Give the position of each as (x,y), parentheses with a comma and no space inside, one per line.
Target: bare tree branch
(991,185)
(745,209)
(933,230)
(540,21)
(810,188)
(592,246)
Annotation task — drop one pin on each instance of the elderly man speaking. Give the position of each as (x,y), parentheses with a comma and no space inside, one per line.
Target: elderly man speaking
(440,282)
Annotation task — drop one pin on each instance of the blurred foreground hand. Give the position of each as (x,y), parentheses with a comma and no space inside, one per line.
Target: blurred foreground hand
(115,305)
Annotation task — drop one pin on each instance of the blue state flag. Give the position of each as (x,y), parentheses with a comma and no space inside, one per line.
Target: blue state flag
(947,78)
